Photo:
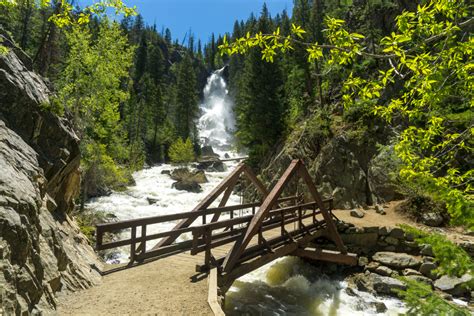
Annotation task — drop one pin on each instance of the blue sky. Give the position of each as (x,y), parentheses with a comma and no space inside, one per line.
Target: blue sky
(201,16)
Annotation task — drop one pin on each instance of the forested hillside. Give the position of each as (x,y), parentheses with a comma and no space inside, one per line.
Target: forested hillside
(130,89)
(359,80)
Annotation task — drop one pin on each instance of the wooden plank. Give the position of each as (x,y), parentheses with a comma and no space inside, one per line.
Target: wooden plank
(267,204)
(327,255)
(212,296)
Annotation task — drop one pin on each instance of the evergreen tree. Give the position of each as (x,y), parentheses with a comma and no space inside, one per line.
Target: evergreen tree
(186,99)
(259,104)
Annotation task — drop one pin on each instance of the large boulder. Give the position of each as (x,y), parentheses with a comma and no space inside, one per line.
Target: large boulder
(184,174)
(432,219)
(212,166)
(454,285)
(208,152)
(378,175)
(190,186)
(372,282)
(42,252)
(396,260)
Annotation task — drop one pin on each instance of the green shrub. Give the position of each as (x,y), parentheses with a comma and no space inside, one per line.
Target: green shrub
(181,151)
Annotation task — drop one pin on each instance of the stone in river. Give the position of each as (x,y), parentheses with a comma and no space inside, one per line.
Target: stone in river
(189,186)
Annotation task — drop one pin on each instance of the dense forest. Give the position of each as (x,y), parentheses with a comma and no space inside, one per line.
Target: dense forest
(391,74)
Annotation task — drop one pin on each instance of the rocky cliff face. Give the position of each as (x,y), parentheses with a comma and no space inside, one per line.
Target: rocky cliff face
(42,252)
(349,169)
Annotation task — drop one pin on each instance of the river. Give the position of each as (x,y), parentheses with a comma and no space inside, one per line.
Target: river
(286,286)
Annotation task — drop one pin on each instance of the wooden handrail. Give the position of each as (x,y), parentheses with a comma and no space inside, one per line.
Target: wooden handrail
(110,227)
(143,222)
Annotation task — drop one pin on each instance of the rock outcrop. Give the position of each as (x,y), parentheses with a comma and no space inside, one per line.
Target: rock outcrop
(42,251)
(352,171)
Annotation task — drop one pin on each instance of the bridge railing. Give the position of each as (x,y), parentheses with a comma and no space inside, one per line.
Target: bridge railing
(204,238)
(137,242)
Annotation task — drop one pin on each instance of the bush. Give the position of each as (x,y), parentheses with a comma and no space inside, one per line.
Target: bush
(181,151)
(100,172)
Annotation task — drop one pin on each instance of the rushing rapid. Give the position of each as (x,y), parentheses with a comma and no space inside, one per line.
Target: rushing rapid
(291,286)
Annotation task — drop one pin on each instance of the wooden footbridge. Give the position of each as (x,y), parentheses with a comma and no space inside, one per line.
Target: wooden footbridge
(250,234)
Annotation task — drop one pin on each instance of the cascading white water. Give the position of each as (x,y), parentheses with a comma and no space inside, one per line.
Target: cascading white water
(285,286)
(291,286)
(217,123)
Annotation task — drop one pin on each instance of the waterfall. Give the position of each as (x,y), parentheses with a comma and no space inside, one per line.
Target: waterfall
(216,124)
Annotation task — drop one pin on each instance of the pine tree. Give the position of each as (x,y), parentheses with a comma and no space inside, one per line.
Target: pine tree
(259,104)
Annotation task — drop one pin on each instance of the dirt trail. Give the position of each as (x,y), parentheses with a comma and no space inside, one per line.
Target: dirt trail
(161,287)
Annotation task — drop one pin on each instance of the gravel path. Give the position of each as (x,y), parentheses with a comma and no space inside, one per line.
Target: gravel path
(162,287)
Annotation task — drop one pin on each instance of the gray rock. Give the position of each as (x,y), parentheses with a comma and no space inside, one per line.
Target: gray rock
(152,200)
(364,240)
(396,260)
(363,261)
(186,175)
(208,151)
(391,241)
(168,172)
(408,271)
(426,250)
(453,285)
(384,231)
(432,219)
(379,169)
(357,213)
(379,209)
(42,254)
(427,268)
(383,270)
(190,186)
(212,166)
(372,266)
(468,246)
(372,282)
(380,307)
(397,233)
(420,278)
(387,285)
(371,229)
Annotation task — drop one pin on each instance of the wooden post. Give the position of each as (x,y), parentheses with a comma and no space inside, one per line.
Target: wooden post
(208,240)
(133,244)
(300,223)
(99,236)
(143,237)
